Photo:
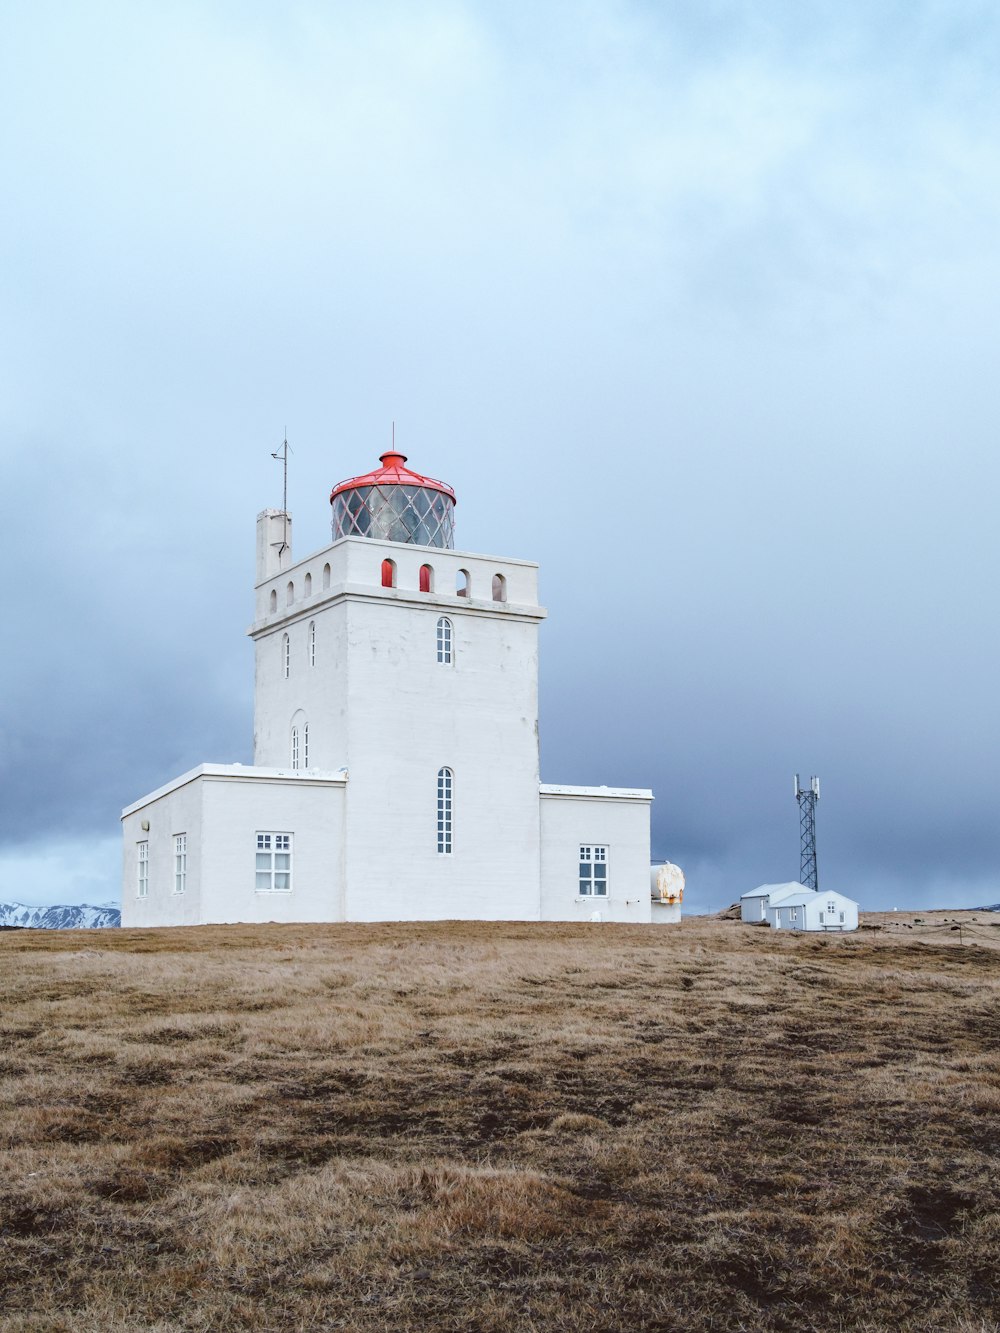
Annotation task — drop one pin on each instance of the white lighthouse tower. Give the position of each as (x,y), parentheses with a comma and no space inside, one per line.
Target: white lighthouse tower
(396,768)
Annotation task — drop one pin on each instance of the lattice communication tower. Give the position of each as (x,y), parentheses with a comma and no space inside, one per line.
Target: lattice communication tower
(807,798)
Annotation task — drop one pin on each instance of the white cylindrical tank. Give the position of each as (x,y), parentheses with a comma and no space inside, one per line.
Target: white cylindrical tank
(666,883)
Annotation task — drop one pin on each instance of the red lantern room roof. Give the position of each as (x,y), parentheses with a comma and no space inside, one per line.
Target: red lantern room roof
(393,472)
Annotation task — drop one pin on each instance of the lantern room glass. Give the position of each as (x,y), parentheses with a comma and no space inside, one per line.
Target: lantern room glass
(417,515)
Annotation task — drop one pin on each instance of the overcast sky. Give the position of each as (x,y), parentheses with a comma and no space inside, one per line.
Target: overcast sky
(694,302)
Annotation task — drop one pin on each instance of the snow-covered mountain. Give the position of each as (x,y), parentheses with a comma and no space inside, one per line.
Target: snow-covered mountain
(82,916)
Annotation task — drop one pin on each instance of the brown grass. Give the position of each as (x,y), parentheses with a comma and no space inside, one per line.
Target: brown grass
(500,1127)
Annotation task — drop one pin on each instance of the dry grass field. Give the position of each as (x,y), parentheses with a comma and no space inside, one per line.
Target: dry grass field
(501,1127)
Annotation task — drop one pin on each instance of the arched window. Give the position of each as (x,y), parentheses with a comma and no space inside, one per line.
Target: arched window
(295,747)
(274,600)
(444,637)
(312,643)
(462,584)
(305,745)
(426,578)
(290,594)
(388,573)
(326,576)
(499,588)
(308,586)
(286,656)
(446,783)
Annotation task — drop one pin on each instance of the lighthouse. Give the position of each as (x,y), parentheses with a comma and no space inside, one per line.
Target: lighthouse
(396,760)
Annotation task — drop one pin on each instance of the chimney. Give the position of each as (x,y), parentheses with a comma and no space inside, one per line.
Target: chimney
(274,543)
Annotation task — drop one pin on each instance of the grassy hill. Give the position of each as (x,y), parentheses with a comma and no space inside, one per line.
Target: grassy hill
(501,1127)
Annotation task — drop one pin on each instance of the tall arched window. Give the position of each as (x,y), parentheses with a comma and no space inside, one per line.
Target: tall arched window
(499,588)
(305,745)
(326,576)
(462,584)
(388,573)
(295,747)
(444,638)
(312,643)
(426,578)
(307,586)
(290,594)
(274,600)
(286,656)
(446,783)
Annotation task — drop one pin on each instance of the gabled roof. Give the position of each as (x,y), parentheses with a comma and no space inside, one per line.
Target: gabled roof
(841,897)
(773,890)
(796,899)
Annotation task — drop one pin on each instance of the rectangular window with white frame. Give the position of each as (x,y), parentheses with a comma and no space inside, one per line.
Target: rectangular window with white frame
(180,862)
(593,871)
(142,871)
(274,863)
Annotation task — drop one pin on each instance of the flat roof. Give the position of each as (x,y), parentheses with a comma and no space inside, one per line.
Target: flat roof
(596,793)
(242,772)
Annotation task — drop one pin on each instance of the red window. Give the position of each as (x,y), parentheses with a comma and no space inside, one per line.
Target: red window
(425,578)
(388,574)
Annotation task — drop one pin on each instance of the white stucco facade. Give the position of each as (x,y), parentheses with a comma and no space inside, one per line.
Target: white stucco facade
(392,682)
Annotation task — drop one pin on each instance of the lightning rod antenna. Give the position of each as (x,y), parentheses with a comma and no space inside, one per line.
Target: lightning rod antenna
(282,456)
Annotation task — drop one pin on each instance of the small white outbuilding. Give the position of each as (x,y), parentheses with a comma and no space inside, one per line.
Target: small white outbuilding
(794,907)
(754,905)
(810,910)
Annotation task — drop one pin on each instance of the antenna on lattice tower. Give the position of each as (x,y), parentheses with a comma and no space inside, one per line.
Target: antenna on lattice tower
(807,798)
(282,456)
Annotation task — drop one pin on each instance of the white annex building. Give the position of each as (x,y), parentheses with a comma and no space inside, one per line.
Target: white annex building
(395,772)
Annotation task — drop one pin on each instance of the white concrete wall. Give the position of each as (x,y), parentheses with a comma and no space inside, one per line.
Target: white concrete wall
(331,689)
(318,690)
(407,717)
(175,809)
(222,808)
(311,810)
(595,815)
(355,565)
(665,914)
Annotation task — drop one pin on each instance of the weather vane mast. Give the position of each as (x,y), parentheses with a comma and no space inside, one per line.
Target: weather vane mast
(282,456)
